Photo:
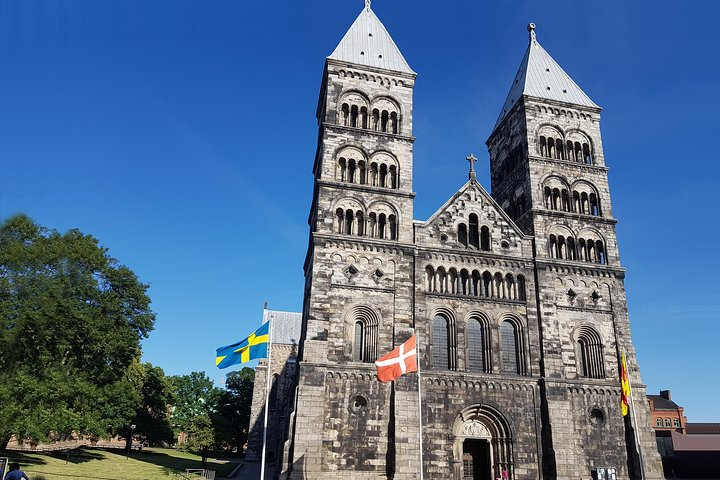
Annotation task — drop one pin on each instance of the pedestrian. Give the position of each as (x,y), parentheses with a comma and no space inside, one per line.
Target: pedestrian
(14,473)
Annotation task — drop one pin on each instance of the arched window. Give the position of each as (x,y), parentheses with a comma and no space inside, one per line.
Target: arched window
(394,122)
(590,353)
(570,151)
(452,281)
(509,348)
(360,220)
(485,238)
(552,244)
(363,117)
(511,287)
(339,220)
(383,175)
(498,285)
(343,167)
(393,177)
(659,422)
(667,422)
(429,279)
(351,171)
(464,282)
(359,342)
(362,172)
(586,154)
(372,225)
(551,147)
(393,227)
(477,346)
(440,343)
(384,121)
(354,116)
(571,252)
(441,279)
(344,114)
(548,197)
(476,284)
(474,237)
(365,334)
(543,147)
(462,235)
(374,174)
(375,119)
(348,222)
(382,224)
(487,284)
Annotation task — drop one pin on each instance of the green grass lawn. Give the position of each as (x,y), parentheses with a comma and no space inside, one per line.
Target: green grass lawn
(152,463)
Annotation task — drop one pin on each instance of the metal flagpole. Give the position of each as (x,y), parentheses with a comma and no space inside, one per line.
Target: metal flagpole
(633,417)
(417,356)
(267,394)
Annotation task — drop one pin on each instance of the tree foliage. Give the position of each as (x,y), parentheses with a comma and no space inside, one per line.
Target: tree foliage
(228,410)
(71,321)
(152,418)
(195,395)
(232,418)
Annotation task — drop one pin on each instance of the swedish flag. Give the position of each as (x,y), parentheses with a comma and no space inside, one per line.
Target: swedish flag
(254,346)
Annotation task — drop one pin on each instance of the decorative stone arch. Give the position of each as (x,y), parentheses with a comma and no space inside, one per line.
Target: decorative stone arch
(384,110)
(363,341)
(486,425)
(384,170)
(354,95)
(350,164)
(589,351)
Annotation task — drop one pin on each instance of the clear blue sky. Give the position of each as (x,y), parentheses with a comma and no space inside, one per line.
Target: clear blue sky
(182,134)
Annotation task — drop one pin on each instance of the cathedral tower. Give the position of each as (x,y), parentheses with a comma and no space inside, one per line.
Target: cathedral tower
(357,301)
(548,173)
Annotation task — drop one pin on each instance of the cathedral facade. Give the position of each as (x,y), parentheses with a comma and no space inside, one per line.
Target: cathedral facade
(517,296)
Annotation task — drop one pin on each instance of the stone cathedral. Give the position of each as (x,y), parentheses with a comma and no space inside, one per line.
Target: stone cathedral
(517,295)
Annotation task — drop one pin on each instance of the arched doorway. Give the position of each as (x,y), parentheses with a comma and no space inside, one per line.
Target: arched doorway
(482,448)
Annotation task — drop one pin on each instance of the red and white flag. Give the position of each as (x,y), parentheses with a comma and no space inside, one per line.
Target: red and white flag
(401,360)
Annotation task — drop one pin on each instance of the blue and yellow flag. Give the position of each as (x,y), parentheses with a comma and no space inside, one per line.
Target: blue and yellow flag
(254,346)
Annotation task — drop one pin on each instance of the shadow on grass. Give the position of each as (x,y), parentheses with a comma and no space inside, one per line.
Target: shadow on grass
(23,458)
(76,456)
(171,464)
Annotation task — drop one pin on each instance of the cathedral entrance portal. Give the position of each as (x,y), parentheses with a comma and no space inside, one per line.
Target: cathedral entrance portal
(483,445)
(476,459)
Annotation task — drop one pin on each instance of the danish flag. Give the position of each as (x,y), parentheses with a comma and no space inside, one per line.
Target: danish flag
(401,360)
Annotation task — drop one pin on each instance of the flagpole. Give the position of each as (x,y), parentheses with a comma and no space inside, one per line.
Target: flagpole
(633,417)
(417,353)
(267,394)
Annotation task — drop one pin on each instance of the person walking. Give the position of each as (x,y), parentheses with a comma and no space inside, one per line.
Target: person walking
(14,473)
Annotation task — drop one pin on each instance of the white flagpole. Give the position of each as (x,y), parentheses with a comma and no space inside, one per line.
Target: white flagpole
(267,394)
(633,418)
(417,356)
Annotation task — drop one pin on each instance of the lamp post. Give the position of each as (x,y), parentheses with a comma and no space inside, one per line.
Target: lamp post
(132,430)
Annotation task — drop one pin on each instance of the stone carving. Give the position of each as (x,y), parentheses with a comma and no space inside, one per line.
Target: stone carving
(476,429)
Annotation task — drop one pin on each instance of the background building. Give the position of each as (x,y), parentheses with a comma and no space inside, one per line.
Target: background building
(688,450)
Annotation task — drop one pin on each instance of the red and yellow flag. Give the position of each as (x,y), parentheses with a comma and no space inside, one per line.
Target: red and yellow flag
(625,386)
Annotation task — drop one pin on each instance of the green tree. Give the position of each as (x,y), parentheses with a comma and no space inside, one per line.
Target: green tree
(152,419)
(71,321)
(195,395)
(200,436)
(232,417)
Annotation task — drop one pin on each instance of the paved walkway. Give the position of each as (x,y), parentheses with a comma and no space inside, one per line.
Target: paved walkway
(251,471)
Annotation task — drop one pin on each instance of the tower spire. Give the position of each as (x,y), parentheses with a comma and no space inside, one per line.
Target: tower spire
(530,27)
(367,4)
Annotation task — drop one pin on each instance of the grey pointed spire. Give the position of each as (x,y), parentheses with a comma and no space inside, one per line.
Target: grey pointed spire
(367,42)
(540,76)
